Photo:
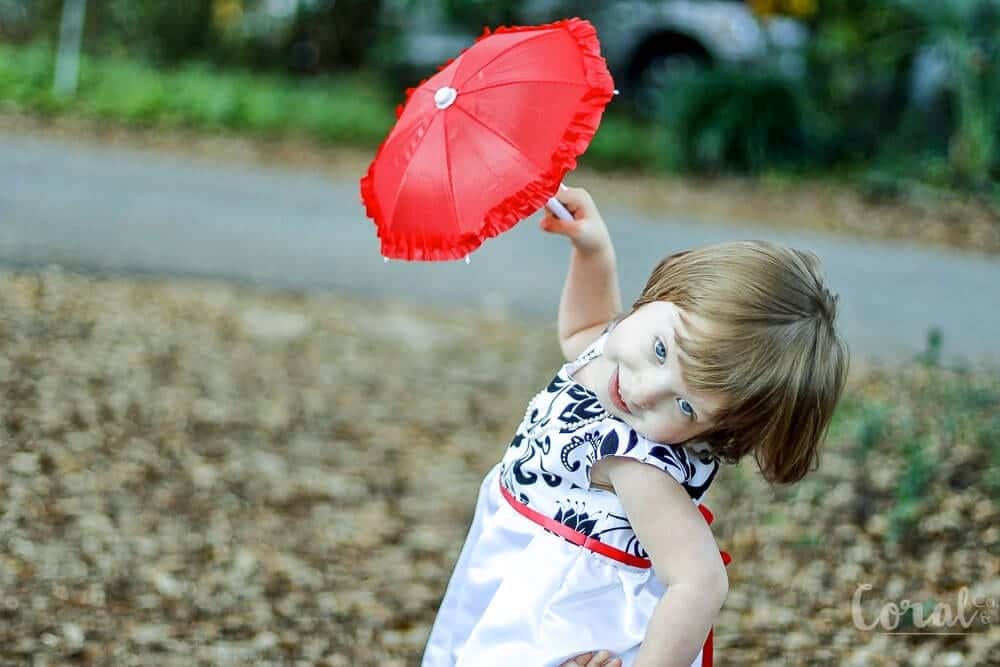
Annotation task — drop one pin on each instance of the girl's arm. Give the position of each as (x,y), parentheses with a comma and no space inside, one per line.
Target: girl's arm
(684,555)
(590,297)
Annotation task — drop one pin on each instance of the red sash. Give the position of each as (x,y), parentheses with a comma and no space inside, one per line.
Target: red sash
(589,543)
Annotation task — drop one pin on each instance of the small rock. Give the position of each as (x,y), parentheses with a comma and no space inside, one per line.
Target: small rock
(167,586)
(204,475)
(73,634)
(265,641)
(151,634)
(24,463)
(274,325)
(797,641)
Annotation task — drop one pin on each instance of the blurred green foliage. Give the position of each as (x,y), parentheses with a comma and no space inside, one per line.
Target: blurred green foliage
(858,61)
(851,112)
(733,119)
(966,35)
(314,36)
(854,107)
(474,14)
(918,436)
(166,31)
(344,108)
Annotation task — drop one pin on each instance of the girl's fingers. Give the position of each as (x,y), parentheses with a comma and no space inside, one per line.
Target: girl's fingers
(577,200)
(591,659)
(598,659)
(554,225)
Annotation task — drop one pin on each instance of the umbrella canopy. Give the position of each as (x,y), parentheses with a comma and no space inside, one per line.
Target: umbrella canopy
(486,141)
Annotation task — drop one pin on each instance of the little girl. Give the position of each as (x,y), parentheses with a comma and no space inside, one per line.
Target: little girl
(587,536)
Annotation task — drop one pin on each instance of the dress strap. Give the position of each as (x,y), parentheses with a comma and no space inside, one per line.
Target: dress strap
(593,350)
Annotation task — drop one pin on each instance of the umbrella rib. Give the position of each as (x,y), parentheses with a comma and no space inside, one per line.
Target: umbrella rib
(502,136)
(451,180)
(406,172)
(541,33)
(517,83)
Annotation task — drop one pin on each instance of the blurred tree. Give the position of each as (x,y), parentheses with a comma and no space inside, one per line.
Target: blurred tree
(474,14)
(302,36)
(331,34)
(858,65)
(15,19)
(166,31)
(964,35)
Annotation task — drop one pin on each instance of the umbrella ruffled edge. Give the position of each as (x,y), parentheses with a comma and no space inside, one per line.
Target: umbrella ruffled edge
(574,142)
(397,248)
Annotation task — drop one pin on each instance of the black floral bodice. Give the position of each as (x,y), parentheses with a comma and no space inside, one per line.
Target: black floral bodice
(565,431)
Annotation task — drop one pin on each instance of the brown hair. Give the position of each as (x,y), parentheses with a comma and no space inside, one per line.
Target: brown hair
(771,351)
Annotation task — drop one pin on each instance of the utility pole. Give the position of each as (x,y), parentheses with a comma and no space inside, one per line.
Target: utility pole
(68,56)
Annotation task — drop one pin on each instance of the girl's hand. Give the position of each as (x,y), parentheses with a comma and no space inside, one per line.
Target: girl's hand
(587,230)
(598,659)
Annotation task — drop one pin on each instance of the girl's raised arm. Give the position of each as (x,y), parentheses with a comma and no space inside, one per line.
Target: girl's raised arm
(591,296)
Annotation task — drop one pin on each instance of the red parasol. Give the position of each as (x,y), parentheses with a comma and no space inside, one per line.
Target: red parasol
(486,141)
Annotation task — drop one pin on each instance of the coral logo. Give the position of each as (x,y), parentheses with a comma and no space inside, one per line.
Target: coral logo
(906,617)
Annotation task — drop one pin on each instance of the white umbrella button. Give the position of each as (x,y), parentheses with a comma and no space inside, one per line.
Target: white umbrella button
(444,97)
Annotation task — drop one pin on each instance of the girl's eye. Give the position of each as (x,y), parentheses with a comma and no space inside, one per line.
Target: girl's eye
(686,409)
(661,350)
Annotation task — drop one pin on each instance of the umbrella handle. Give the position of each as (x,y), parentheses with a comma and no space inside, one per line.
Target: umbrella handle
(558,209)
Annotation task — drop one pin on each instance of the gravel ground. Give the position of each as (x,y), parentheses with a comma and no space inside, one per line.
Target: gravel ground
(196,473)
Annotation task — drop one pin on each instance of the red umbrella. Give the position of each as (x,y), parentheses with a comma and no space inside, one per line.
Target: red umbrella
(486,141)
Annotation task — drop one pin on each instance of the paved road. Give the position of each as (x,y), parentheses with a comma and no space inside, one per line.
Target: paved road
(99,209)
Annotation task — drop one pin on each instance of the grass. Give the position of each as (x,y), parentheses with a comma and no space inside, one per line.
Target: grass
(351,109)
(345,110)
(325,115)
(916,434)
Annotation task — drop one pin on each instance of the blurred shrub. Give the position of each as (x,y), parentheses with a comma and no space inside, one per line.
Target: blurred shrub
(860,74)
(964,35)
(733,119)
(344,109)
(855,105)
(15,19)
(166,31)
(858,67)
(300,36)
(622,143)
(921,433)
(304,36)
(474,14)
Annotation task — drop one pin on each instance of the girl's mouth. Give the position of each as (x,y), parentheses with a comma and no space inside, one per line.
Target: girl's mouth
(615,394)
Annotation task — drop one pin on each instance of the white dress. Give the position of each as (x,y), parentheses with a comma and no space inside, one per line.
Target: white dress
(551,567)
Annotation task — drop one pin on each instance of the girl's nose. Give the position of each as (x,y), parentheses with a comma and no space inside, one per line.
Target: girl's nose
(649,390)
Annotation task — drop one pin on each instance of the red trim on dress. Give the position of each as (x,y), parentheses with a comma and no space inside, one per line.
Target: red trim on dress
(576,537)
(589,543)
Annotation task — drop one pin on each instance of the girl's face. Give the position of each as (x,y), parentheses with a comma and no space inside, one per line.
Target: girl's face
(639,378)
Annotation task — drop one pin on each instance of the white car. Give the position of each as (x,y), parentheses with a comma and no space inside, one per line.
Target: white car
(645,42)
